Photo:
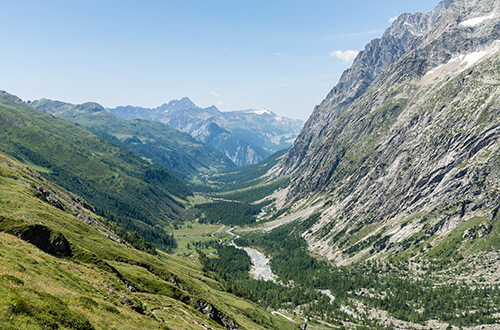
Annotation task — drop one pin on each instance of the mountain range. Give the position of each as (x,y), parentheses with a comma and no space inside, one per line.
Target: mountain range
(246,137)
(163,146)
(119,185)
(383,214)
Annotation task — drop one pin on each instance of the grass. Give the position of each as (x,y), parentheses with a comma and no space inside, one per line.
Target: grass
(118,184)
(365,231)
(91,289)
(194,232)
(453,244)
(243,177)
(256,192)
(157,142)
(38,168)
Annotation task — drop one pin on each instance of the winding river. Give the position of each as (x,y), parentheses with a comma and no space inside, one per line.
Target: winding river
(262,270)
(260,263)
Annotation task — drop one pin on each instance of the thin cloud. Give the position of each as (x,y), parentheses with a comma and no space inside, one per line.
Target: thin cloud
(346,56)
(393,19)
(215,94)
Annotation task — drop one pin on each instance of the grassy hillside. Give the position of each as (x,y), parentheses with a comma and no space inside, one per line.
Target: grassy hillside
(159,143)
(77,274)
(125,188)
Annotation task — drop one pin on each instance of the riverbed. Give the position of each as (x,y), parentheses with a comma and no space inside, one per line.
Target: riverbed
(261,270)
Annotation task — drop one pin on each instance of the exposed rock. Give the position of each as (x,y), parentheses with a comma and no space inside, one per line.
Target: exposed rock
(134,304)
(50,198)
(45,239)
(246,137)
(130,286)
(216,315)
(377,56)
(411,133)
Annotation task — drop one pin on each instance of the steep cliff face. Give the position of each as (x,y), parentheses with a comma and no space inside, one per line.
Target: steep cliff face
(410,153)
(377,56)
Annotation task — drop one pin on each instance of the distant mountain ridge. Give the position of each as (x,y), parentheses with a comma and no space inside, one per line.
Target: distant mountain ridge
(246,137)
(121,186)
(161,144)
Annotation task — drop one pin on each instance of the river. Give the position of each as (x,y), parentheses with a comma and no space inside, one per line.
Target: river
(261,270)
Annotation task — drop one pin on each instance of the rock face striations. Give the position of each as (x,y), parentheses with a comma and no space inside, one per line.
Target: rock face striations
(377,56)
(405,149)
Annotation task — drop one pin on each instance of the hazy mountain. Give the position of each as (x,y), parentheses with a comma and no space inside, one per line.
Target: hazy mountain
(404,151)
(159,143)
(246,137)
(136,195)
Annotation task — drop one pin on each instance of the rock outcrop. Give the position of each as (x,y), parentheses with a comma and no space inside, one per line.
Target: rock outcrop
(45,239)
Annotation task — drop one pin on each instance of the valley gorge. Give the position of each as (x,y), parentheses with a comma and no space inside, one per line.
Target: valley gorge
(380,212)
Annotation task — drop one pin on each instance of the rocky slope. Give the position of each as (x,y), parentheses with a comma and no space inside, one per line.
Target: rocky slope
(162,145)
(377,56)
(246,137)
(404,151)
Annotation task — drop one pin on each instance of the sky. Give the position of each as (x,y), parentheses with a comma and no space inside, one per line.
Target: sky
(282,55)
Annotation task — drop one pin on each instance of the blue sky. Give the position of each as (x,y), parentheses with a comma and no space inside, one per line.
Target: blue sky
(236,54)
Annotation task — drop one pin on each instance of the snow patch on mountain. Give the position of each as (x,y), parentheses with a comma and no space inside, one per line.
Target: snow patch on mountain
(262,111)
(461,62)
(477,20)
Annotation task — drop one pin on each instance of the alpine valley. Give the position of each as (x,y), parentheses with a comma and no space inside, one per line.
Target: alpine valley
(382,213)
(246,137)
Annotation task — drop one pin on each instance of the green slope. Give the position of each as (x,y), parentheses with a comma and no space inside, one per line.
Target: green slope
(120,185)
(162,145)
(87,279)
(245,176)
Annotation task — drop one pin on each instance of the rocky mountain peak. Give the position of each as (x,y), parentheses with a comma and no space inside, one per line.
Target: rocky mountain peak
(377,56)
(464,30)
(246,136)
(183,104)
(412,146)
